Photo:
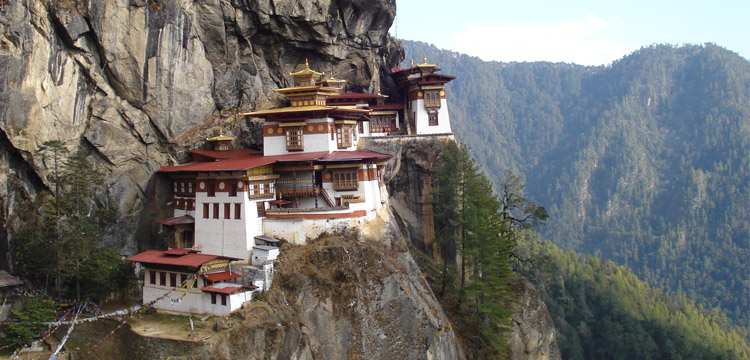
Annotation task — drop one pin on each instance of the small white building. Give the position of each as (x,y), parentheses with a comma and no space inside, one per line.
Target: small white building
(184,281)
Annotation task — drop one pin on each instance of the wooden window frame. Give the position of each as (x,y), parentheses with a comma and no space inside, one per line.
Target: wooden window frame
(206,211)
(432,99)
(345,180)
(152,277)
(237,211)
(294,139)
(227,211)
(344,136)
(172,280)
(162,278)
(213,298)
(432,119)
(223,299)
(216,210)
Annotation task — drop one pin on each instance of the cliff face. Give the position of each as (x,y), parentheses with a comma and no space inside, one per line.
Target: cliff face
(133,83)
(409,185)
(352,295)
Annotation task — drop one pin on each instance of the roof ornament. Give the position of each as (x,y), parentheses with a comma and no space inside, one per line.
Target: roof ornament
(307,66)
(412,62)
(425,60)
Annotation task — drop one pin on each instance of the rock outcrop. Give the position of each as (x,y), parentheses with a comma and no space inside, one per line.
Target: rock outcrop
(132,84)
(533,335)
(352,295)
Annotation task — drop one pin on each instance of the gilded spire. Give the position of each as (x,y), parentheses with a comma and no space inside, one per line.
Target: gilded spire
(412,62)
(307,66)
(425,60)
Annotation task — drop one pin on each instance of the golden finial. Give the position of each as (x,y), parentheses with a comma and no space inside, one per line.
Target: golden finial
(412,62)
(331,77)
(221,131)
(307,66)
(378,89)
(425,60)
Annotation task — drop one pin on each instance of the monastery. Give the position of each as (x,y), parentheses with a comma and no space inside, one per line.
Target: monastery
(231,207)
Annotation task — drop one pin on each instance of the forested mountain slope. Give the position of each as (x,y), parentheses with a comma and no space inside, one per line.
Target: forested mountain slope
(645,161)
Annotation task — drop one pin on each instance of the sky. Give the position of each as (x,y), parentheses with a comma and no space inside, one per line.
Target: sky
(586,32)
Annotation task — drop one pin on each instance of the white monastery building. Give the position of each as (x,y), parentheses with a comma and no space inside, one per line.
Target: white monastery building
(232,206)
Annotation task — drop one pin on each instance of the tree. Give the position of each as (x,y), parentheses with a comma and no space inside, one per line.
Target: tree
(28,321)
(60,233)
(469,223)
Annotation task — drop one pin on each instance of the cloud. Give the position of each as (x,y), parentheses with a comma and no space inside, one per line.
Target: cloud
(580,41)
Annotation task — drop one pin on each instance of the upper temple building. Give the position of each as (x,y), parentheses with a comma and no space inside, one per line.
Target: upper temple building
(423,91)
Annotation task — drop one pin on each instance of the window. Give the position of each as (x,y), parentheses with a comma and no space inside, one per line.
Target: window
(205,210)
(361,128)
(433,119)
(344,133)
(183,278)
(216,210)
(260,190)
(232,189)
(224,299)
(175,186)
(294,139)
(432,99)
(345,180)
(211,188)
(261,209)
(227,210)
(187,239)
(213,298)
(238,211)
(172,279)
(162,278)
(152,277)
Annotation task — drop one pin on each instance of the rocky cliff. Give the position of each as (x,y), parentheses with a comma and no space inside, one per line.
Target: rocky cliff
(133,83)
(409,182)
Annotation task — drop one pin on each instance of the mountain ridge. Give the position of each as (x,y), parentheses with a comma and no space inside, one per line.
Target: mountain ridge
(641,161)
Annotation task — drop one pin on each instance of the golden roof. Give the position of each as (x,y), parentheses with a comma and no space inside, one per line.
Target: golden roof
(306,72)
(221,137)
(293,109)
(425,64)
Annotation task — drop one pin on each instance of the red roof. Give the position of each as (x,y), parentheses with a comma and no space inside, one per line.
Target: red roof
(221,276)
(354,155)
(227,289)
(179,252)
(233,153)
(299,156)
(243,163)
(165,258)
(180,220)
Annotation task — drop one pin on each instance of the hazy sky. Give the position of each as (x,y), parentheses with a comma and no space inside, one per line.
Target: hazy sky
(588,32)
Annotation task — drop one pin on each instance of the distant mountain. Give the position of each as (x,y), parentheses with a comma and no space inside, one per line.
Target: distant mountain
(645,162)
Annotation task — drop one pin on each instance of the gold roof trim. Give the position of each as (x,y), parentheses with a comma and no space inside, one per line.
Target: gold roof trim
(221,137)
(306,71)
